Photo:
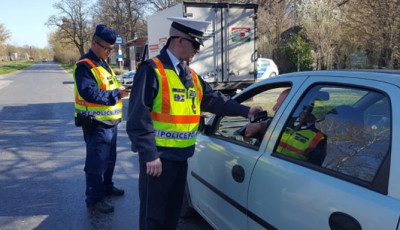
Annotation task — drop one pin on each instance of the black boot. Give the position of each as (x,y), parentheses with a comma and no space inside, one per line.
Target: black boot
(101,206)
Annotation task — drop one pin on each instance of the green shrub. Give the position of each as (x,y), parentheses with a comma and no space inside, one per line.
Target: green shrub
(299,54)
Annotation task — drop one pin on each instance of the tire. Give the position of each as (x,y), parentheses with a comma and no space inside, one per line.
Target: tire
(187,210)
(273,74)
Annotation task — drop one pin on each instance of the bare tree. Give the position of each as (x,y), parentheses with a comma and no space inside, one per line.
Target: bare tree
(274,17)
(125,16)
(320,20)
(73,22)
(64,51)
(159,5)
(376,24)
(4,33)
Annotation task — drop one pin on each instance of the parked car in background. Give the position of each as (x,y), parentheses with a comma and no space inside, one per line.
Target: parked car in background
(126,79)
(266,68)
(238,182)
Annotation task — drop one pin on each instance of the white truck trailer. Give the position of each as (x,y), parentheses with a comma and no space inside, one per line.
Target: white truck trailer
(228,58)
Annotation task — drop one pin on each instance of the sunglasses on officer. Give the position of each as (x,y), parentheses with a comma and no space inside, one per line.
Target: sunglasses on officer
(195,44)
(107,49)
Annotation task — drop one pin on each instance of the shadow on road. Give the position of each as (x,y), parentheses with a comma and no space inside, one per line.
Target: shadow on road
(42,156)
(41,172)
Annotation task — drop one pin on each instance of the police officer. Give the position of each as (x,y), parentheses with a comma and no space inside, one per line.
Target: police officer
(98,109)
(302,140)
(163,118)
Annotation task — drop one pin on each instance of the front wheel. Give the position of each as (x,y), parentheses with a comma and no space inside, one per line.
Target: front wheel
(273,74)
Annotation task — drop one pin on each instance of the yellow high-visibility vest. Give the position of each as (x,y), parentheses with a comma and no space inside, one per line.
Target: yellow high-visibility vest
(176,109)
(105,81)
(299,143)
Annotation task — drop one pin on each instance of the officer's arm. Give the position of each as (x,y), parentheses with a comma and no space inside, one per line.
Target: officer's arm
(139,124)
(216,102)
(89,90)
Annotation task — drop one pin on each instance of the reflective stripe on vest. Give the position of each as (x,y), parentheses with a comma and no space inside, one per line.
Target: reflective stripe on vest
(298,144)
(176,110)
(175,135)
(105,81)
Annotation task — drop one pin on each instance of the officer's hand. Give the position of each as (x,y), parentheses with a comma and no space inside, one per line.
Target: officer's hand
(124,92)
(154,168)
(253,110)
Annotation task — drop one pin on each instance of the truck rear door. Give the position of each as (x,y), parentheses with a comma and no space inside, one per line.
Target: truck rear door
(229,46)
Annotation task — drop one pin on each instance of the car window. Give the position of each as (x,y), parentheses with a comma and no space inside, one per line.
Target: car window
(343,129)
(230,127)
(263,62)
(128,74)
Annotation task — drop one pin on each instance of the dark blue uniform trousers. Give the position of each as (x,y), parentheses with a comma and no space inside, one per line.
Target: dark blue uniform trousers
(101,155)
(161,197)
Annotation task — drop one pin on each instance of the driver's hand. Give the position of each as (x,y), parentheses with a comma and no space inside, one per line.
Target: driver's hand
(252,129)
(253,110)
(124,92)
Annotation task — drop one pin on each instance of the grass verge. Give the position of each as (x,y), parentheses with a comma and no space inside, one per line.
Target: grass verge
(9,67)
(68,67)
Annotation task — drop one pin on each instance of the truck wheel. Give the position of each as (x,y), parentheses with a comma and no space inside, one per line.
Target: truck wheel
(187,210)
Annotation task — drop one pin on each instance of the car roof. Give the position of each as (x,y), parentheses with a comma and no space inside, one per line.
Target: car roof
(389,76)
(129,72)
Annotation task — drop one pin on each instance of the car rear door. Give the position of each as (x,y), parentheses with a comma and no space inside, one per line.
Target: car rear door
(351,189)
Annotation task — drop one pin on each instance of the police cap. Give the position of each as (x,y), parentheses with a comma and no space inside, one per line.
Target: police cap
(105,33)
(193,28)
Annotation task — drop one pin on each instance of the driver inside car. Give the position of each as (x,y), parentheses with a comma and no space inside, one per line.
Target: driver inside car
(257,129)
(302,140)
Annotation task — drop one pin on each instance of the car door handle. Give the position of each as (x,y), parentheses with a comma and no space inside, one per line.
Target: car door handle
(238,173)
(340,220)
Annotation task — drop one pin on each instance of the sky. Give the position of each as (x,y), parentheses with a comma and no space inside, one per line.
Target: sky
(25,20)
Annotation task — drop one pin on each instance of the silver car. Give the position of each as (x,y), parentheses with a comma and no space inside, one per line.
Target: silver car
(127,78)
(240,182)
(266,68)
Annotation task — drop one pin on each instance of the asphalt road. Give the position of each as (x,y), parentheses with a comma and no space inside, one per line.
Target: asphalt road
(42,155)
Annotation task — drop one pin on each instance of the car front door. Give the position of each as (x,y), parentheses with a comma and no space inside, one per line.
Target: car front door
(350,188)
(220,170)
